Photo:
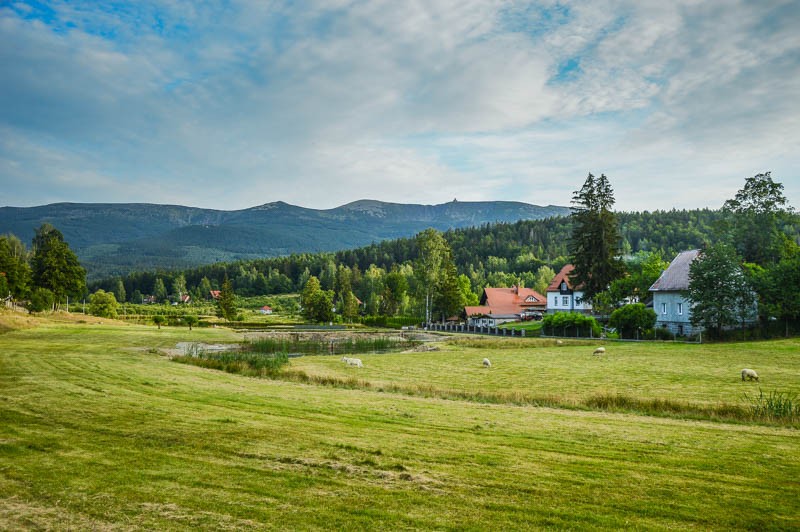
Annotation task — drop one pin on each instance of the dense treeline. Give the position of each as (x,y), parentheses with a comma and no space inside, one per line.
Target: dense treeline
(496,255)
(44,277)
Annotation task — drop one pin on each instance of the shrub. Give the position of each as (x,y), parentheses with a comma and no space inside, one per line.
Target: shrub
(633,320)
(393,322)
(662,333)
(41,299)
(570,324)
(191,321)
(103,304)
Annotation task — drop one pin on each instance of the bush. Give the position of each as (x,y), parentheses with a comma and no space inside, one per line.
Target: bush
(662,333)
(392,322)
(633,320)
(41,299)
(103,304)
(572,324)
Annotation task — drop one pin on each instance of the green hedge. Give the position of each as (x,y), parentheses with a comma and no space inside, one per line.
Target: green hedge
(571,324)
(391,322)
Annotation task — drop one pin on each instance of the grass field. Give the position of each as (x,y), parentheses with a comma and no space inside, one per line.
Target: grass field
(98,429)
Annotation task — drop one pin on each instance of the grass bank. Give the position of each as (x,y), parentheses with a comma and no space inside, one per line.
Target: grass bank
(98,431)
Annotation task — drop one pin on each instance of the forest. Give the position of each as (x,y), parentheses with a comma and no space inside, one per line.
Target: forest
(522,253)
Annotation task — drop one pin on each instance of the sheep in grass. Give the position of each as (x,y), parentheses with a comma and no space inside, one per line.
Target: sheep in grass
(355,362)
(486,363)
(559,343)
(749,374)
(599,351)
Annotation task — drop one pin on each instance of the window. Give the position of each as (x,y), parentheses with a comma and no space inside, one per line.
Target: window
(565,301)
(680,308)
(663,308)
(555,301)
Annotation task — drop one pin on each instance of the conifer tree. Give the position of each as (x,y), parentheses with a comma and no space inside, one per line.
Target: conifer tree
(595,237)
(227,301)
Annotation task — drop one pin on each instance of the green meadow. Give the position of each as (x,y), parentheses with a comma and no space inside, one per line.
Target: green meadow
(99,429)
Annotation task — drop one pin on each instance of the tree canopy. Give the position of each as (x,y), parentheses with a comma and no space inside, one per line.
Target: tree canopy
(54,266)
(595,237)
(718,289)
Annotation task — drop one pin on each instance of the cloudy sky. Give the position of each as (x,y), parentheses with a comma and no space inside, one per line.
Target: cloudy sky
(236,103)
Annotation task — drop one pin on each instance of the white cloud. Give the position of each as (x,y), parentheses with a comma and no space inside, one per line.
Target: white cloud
(244,103)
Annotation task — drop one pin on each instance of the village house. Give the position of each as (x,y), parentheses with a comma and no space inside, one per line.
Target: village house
(502,305)
(673,310)
(563,296)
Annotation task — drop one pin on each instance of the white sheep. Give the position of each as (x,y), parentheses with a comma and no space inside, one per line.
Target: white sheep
(486,363)
(559,342)
(599,351)
(355,362)
(749,374)
(346,360)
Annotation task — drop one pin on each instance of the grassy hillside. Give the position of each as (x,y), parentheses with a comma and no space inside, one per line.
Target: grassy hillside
(99,430)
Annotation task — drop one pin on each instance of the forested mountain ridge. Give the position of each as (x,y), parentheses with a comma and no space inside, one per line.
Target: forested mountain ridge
(115,239)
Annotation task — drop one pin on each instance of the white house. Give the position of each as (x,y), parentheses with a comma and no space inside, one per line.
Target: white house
(562,296)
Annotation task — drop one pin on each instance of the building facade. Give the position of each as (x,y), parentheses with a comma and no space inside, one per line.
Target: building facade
(673,310)
(562,296)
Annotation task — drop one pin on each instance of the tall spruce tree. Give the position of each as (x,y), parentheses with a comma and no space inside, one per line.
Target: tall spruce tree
(449,300)
(595,237)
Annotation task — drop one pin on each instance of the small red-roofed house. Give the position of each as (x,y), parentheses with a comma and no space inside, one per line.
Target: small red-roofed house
(214,294)
(266,309)
(501,305)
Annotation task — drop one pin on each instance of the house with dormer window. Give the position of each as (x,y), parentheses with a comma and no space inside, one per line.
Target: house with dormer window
(563,296)
(502,305)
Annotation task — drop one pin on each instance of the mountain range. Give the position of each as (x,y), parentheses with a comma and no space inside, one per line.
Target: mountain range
(116,238)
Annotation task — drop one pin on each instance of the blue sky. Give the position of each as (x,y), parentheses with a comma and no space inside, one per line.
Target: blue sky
(233,104)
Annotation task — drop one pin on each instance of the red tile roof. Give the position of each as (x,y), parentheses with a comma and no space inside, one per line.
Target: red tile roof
(563,275)
(512,300)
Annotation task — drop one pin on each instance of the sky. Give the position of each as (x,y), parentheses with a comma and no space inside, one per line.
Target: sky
(233,104)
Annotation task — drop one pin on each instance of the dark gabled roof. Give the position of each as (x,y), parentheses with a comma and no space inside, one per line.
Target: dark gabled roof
(676,276)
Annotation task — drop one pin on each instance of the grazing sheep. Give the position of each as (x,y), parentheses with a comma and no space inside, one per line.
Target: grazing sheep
(559,342)
(355,362)
(346,360)
(599,351)
(749,374)
(486,363)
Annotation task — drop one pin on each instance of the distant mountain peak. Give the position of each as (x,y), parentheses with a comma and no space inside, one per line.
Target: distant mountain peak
(114,239)
(269,206)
